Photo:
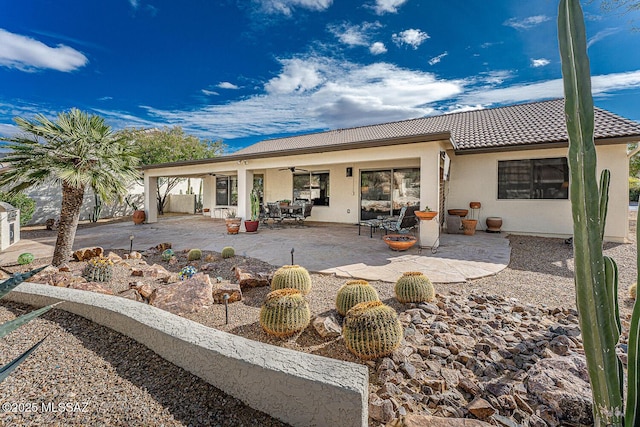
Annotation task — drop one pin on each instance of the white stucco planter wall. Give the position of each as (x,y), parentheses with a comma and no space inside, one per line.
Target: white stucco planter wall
(474,177)
(298,388)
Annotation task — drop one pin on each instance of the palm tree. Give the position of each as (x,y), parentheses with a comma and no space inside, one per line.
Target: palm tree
(78,150)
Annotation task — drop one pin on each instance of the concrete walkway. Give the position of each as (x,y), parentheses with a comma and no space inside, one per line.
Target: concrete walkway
(320,247)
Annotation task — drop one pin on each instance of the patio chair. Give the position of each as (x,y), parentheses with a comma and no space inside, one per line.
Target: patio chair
(273,212)
(304,212)
(405,222)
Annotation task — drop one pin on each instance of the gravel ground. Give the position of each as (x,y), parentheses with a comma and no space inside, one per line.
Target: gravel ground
(126,384)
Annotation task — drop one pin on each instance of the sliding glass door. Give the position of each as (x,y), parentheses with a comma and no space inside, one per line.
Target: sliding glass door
(385,192)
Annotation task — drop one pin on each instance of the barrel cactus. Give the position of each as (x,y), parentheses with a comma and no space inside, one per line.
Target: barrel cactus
(228,252)
(285,312)
(354,292)
(414,286)
(633,291)
(25,258)
(371,330)
(291,276)
(167,254)
(99,269)
(194,255)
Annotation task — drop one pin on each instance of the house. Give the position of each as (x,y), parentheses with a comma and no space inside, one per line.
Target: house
(511,159)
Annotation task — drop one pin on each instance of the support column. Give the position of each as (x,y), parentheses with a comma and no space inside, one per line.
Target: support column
(430,196)
(245,184)
(150,199)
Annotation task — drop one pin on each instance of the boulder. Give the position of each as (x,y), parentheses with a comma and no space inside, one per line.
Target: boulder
(252,279)
(131,294)
(85,254)
(563,384)
(232,289)
(92,287)
(187,296)
(480,408)
(114,257)
(327,326)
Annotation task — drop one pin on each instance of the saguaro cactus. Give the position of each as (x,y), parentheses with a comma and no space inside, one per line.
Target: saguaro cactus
(596,276)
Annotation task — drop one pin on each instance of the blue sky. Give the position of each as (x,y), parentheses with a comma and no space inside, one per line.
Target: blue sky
(248,70)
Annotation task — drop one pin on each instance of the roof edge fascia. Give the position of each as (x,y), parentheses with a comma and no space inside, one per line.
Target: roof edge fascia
(431,137)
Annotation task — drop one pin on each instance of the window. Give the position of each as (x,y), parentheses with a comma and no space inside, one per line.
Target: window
(313,186)
(226,191)
(533,179)
(385,192)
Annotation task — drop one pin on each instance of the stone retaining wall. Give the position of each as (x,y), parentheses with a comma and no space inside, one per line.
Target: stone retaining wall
(298,388)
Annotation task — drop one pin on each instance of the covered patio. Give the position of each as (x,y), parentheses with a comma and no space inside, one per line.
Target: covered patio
(329,248)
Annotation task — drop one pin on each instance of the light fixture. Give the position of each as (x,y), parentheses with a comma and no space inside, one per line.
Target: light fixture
(349,172)
(131,243)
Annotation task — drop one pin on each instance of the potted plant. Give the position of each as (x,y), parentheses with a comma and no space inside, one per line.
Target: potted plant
(252,225)
(285,203)
(427,214)
(233,223)
(138,214)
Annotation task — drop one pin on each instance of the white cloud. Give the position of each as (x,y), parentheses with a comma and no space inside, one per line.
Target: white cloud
(377,48)
(8,130)
(436,59)
(535,63)
(134,3)
(297,76)
(209,92)
(354,35)
(27,54)
(412,37)
(601,35)
(105,98)
(526,23)
(460,108)
(286,7)
(227,85)
(387,6)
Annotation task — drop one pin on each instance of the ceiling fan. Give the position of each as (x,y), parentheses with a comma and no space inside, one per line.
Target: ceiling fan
(293,169)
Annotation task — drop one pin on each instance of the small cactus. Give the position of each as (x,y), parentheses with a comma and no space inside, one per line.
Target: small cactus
(284,313)
(187,272)
(371,330)
(292,276)
(633,290)
(99,269)
(167,254)
(354,292)
(228,252)
(414,286)
(25,258)
(194,255)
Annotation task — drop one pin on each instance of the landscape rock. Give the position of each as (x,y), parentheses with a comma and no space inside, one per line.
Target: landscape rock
(131,294)
(562,383)
(232,289)
(414,420)
(161,247)
(381,410)
(145,290)
(114,257)
(252,279)
(187,296)
(481,408)
(327,326)
(92,287)
(86,254)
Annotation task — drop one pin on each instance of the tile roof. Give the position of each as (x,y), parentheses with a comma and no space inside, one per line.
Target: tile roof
(516,126)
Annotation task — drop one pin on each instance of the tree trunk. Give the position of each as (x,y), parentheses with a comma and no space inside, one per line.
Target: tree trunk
(72,198)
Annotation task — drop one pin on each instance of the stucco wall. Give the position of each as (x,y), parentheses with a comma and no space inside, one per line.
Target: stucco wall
(474,177)
(298,388)
(181,203)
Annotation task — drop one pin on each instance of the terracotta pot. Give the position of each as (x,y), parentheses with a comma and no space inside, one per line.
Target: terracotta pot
(475,205)
(458,212)
(251,226)
(233,225)
(138,217)
(399,242)
(426,215)
(469,226)
(494,223)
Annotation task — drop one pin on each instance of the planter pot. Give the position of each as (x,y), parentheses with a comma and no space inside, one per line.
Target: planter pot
(399,242)
(233,225)
(251,226)
(426,215)
(458,212)
(138,217)
(494,223)
(469,226)
(475,205)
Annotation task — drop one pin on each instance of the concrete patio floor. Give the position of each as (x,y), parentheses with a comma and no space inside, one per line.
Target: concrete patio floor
(320,247)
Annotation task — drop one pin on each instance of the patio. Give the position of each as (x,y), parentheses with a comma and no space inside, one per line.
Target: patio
(320,247)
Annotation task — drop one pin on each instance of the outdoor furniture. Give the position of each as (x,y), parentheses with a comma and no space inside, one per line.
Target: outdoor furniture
(373,224)
(405,222)
(304,212)
(274,212)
